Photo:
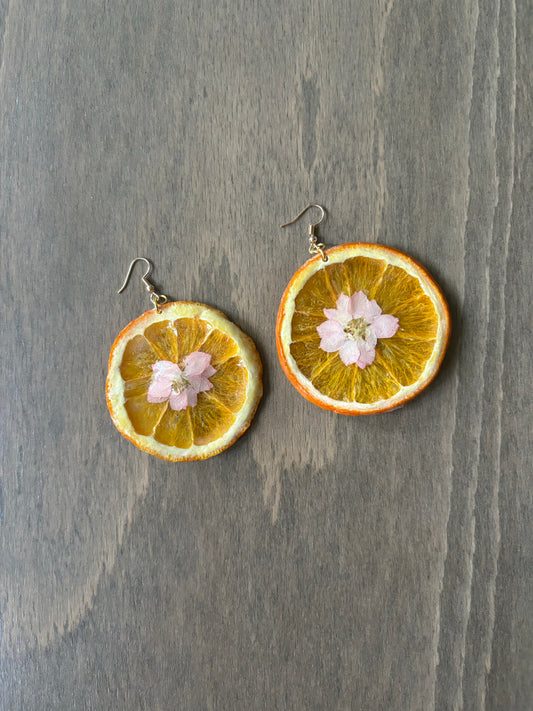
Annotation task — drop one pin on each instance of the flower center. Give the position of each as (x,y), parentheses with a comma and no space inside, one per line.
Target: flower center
(179,384)
(356,329)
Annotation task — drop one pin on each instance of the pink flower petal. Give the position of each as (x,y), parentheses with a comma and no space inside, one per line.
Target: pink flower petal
(385,326)
(330,344)
(341,314)
(362,307)
(179,401)
(330,328)
(166,368)
(192,398)
(343,302)
(199,383)
(159,390)
(337,316)
(367,356)
(370,339)
(357,302)
(196,362)
(332,336)
(349,352)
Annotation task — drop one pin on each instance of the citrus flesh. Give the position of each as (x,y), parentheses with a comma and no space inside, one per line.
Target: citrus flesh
(404,363)
(220,415)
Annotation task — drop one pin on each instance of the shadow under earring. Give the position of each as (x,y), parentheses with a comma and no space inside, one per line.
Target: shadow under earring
(184,382)
(362,328)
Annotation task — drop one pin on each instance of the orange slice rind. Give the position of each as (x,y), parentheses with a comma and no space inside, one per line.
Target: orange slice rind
(404,363)
(220,415)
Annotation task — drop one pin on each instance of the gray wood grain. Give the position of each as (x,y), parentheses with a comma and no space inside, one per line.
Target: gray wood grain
(323,562)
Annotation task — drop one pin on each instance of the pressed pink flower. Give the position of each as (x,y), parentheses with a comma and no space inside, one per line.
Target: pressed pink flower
(180,386)
(353,329)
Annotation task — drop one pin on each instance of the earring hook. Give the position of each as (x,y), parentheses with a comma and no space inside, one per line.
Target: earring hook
(315,247)
(149,267)
(156,299)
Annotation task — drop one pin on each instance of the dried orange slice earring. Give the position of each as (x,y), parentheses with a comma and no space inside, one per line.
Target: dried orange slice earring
(183,381)
(361,328)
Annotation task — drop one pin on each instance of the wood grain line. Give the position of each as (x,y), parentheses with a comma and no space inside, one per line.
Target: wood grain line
(459,597)
(480,632)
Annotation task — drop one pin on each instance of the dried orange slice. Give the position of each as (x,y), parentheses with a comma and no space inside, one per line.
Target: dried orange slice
(364,332)
(183,384)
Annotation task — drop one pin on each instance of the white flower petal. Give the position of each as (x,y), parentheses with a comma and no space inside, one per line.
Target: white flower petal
(366,356)
(329,328)
(332,336)
(370,338)
(349,353)
(343,302)
(385,325)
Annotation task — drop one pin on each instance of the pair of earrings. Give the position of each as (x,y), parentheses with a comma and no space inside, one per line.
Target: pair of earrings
(361,328)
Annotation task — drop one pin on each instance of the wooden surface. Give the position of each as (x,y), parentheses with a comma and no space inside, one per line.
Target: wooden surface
(323,562)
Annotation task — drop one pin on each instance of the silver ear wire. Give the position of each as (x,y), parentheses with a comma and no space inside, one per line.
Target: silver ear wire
(315,247)
(156,299)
